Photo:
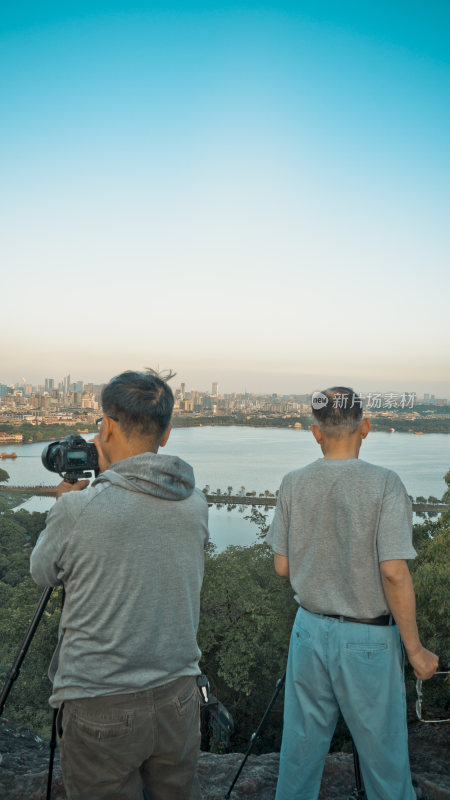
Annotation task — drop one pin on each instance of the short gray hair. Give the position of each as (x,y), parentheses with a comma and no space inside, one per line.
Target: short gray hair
(337,411)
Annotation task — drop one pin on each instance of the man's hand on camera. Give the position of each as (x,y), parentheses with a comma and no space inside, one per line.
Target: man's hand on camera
(103,462)
(65,486)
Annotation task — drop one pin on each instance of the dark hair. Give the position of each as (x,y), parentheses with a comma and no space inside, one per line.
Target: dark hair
(341,413)
(141,401)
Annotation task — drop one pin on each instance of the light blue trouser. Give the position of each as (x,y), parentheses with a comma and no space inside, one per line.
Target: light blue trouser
(358,669)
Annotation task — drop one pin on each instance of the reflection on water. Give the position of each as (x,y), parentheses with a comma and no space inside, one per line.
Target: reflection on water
(226,527)
(38,503)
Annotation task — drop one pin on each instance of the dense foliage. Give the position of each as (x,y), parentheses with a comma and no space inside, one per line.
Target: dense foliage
(246,617)
(19,595)
(245,641)
(430,573)
(246,620)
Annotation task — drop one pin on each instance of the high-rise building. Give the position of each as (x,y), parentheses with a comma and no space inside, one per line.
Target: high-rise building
(66,384)
(215,389)
(183,389)
(88,400)
(49,385)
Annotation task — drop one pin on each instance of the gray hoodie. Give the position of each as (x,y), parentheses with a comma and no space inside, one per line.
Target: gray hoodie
(130,553)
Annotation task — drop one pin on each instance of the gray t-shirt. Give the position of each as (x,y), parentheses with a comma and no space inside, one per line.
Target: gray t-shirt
(335,520)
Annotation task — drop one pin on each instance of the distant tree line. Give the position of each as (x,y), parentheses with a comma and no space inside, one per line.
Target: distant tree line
(425,424)
(47,433)
(422,424)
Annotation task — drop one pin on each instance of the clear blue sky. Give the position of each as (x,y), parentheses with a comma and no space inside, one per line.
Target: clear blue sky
(254,193)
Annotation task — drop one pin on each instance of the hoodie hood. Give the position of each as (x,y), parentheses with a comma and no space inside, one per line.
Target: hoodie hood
(167,477)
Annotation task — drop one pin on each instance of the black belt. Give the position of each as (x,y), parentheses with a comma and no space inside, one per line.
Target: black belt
(384,619)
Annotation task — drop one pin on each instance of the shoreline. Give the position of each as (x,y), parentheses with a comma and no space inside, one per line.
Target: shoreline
(420,427)
(249,499)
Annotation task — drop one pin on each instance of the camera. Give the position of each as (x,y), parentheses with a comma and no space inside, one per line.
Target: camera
(70,457)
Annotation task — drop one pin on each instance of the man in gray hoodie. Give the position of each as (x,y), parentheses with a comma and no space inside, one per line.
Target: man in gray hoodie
(129,551)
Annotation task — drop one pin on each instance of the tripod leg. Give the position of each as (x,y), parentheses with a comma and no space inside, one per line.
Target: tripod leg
(52,755)
(15,669)
(254,736)
(359,791)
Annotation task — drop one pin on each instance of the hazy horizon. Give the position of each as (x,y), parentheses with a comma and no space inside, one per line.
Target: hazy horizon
(261,187)
(201,380)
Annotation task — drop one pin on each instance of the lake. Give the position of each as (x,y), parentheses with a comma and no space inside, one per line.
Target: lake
(257,458)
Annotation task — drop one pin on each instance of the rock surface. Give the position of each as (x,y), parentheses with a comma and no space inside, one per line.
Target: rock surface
(24,765)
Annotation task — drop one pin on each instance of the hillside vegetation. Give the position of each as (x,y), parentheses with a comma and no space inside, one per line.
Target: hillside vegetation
(246,617)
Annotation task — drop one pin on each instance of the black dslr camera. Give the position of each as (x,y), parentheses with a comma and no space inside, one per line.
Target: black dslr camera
(70,457)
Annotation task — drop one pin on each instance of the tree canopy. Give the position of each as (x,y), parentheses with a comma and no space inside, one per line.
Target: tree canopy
(246,617)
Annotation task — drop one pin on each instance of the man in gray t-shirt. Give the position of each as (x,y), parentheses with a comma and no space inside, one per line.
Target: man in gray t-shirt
(342,533)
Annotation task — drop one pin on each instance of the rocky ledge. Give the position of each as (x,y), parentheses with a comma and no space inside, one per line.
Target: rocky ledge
(24,765)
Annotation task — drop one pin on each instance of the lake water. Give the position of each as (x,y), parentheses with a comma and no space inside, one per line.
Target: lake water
(257,458)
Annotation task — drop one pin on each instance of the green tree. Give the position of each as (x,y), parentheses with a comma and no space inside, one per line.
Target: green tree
(246,617)
(446,495)
(430,574)
(19,595)
(28,700)
(260,520)
(3,476)
(245,624)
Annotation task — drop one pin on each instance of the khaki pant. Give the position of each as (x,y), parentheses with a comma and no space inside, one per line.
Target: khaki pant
(114,746)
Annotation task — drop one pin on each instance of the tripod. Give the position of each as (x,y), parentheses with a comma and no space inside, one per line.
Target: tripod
(15,671)
(358,792)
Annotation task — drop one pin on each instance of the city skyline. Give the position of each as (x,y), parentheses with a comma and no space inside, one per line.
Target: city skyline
(261,187)
(65,384)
